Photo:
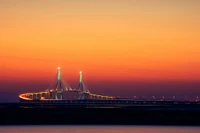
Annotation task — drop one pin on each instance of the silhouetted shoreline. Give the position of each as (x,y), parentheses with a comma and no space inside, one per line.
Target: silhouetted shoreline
(17,114)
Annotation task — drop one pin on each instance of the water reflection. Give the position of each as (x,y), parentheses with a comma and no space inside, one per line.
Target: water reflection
(98,129)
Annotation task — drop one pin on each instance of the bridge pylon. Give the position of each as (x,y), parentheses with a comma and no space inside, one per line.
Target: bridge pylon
(81,88)
(59,87)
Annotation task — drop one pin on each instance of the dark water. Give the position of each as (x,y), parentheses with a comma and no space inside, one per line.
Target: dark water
(98,129)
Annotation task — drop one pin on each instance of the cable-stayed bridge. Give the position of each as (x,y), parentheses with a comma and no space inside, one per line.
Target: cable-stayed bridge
(63,94)
(60,91)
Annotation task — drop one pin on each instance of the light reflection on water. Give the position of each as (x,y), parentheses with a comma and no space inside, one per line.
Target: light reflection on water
(98,129)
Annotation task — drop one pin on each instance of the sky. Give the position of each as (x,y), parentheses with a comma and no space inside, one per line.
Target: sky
(132,46)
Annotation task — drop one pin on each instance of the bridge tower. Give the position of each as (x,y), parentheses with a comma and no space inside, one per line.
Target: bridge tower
(59,87)
(81,88)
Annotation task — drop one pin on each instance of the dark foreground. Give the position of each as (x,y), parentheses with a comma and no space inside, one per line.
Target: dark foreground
(16,113)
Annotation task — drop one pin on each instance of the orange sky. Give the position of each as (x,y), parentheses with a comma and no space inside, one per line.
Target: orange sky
(121,40)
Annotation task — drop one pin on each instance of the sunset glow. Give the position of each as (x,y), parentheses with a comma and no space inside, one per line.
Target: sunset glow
(110,40)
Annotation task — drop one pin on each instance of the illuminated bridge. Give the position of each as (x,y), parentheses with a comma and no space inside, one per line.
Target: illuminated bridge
(61,92)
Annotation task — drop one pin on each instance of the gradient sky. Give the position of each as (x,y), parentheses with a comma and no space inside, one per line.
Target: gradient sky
(118,41)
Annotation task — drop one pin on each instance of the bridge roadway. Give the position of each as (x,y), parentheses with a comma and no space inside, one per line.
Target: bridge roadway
(111,103)
(45,95)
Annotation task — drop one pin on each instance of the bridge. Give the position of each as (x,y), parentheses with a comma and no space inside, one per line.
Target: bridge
(62,92)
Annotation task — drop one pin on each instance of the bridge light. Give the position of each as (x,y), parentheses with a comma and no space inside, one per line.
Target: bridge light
(174,97)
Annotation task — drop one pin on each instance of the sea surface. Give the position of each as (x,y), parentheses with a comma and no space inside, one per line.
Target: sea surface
(99,129)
